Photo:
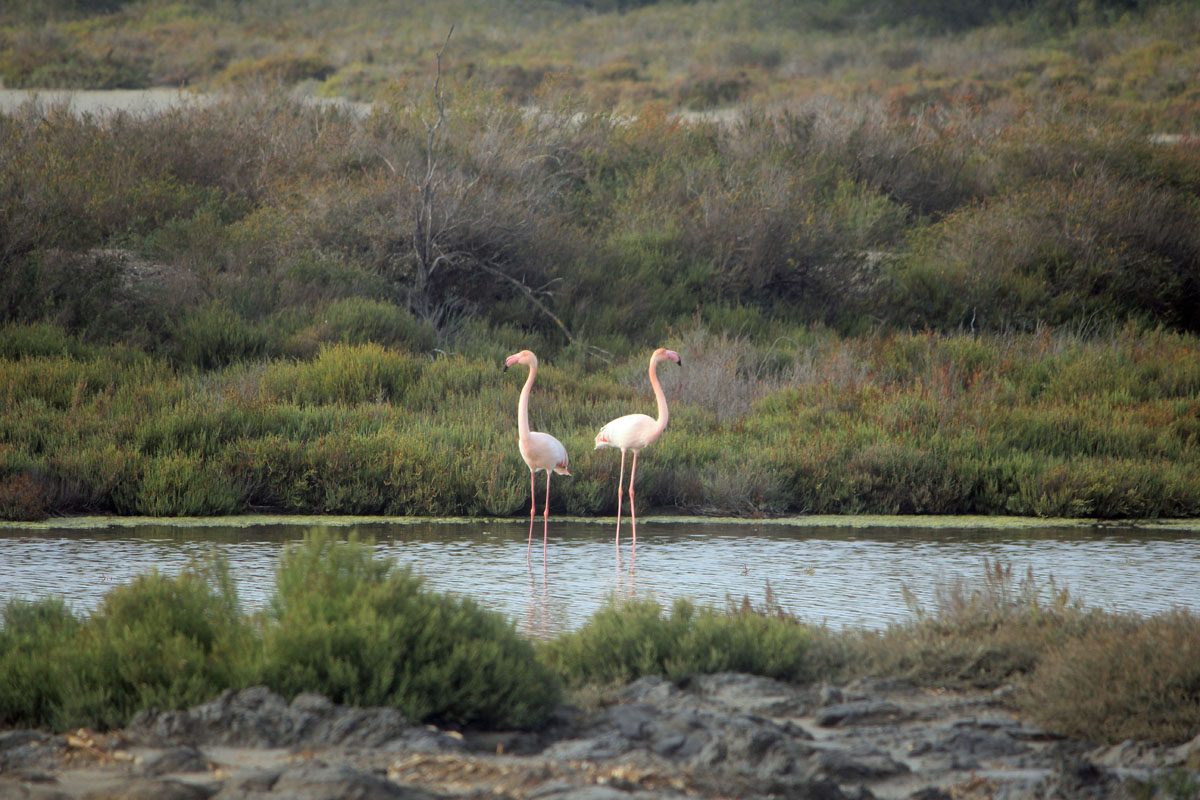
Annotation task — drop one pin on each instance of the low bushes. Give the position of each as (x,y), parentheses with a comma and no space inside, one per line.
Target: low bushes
(158,641)
(342,623)
(625,641)
(365,632)
(1135,679)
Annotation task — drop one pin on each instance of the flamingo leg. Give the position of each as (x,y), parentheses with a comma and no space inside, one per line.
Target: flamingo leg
(632,509)
(532,511)
(546,516)
(620,487)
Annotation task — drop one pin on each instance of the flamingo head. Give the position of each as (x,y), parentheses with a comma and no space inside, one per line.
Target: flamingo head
(663,354)
(525,357)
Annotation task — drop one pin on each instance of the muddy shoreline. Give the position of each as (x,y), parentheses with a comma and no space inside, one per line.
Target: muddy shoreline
(726,735)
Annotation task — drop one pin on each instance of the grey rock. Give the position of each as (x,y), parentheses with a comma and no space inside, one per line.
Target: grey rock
(18,790)
(633,721)
(586,793)
(961,741)
(174,760)
(1127,754)
(860,712)
(257,717)
(24,750)
(931,793)
(750,693)
(846,766)
(1186,755)
(1079,780)
(250,784)
(154,789)
(831,695)
(14,739)
(597,748)
(340,782)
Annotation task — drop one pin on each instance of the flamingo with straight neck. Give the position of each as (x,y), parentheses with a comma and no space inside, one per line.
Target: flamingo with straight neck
(632,432)
(540,450)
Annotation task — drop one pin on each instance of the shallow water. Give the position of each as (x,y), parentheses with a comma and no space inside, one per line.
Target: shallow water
(843,576)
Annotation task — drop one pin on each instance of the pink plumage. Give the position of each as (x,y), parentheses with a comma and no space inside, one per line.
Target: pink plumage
(541,451)
(632,432)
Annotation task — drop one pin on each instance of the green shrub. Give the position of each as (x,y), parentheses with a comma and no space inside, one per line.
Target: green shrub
(156,642)
(1054,253)
(284,69)
(37,657)
(213,336)
(357,320)
(36,339)
(629,640)
(360,630)
(345,374)
(178,484)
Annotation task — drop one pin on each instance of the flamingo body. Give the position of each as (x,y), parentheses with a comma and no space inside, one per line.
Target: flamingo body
(632,432)
(541,451)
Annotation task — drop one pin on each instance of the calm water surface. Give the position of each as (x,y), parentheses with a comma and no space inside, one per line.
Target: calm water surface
(841,576)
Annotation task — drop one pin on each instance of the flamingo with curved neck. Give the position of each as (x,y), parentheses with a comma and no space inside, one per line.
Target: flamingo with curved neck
(632,432)
(540,450)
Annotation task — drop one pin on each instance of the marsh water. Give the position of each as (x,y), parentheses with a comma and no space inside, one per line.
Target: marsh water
(838,574)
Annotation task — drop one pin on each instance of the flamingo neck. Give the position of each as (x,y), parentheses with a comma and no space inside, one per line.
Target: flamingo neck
(523,405)
(661,398)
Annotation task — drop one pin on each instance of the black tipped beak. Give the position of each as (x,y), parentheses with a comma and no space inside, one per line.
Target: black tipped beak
(504,368)
(680,362)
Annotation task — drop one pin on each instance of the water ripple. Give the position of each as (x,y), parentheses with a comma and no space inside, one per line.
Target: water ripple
(842,577)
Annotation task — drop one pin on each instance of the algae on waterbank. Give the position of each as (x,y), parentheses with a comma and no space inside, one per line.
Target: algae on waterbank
(931,522)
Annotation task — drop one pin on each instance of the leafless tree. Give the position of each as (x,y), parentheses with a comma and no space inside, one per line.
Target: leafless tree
(437,218)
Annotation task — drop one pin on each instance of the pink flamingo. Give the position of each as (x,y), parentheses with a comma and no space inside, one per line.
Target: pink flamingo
(635,431)
(540,450)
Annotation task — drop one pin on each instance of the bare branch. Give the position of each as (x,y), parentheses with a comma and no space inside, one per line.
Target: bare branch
(529,294)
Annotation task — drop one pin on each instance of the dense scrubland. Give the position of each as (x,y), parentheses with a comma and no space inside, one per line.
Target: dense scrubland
(916,259)
(364,631)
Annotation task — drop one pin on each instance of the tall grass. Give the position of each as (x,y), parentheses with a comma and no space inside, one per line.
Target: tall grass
(1044,425)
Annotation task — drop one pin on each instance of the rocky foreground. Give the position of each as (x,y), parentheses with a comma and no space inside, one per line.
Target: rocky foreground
(723,736)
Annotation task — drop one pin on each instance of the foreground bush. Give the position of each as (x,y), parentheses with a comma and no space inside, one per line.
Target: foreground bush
(342,623)
(36,659)
(1134,679)
(983,634)
(166,642)
(630,640)
(364,632)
